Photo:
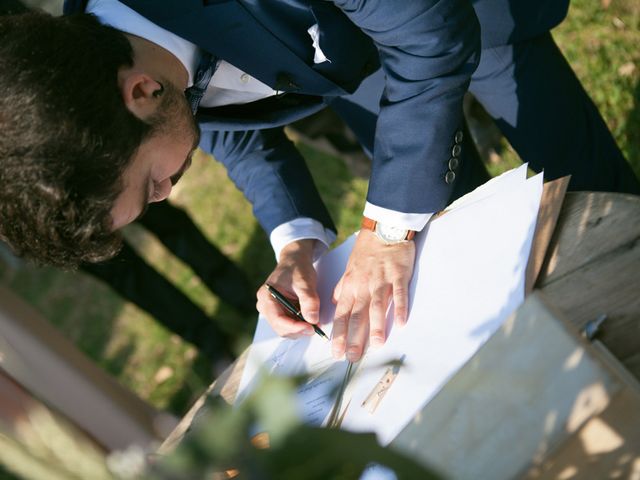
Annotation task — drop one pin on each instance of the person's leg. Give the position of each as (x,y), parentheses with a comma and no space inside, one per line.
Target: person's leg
(135,280)
(360,111)
(540,106)
(175,229)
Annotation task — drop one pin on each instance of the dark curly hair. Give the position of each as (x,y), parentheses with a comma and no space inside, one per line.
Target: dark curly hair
(66,136)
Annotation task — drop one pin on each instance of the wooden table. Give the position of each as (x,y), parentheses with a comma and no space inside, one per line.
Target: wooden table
(592,267)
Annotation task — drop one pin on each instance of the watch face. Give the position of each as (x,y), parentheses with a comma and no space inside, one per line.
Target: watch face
(391,234)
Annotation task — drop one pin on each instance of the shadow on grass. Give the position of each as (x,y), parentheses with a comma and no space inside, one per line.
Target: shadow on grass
(633,132)
(82,309)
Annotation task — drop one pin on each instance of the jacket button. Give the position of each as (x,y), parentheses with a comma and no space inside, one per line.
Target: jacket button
(455,151)
(459,136)
(450,177)
(454,163)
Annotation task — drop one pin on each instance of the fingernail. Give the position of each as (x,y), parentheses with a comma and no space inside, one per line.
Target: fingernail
(377,341)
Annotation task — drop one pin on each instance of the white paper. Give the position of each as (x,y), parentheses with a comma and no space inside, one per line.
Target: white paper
(508,180)
(272,355)
(468,277)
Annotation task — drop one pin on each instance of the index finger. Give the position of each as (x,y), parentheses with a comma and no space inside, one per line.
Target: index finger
(308,299)
(281,322)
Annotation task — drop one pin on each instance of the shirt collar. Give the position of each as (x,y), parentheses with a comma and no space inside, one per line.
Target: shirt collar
(125,19)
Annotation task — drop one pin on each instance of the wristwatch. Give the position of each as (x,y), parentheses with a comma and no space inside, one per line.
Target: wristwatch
(387,233)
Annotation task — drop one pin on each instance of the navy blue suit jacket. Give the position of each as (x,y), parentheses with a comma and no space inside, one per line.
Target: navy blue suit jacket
(428,50)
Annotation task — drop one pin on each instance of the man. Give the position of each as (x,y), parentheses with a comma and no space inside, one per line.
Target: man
(133,278)
(130,133)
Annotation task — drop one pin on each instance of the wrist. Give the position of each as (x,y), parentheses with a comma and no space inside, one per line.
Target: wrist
(388,234)
(298,249)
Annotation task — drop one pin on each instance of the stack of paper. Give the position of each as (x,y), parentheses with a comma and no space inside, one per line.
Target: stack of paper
(469,276)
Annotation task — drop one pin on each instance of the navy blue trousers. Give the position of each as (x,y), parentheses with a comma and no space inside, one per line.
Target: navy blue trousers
(541,108)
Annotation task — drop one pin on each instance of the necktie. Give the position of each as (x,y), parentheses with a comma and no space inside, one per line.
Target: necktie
(206,68)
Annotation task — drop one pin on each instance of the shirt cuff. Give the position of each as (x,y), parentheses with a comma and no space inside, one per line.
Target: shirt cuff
(410,221)
(300,229)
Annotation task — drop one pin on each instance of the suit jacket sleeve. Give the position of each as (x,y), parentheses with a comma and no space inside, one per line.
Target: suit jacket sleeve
(428,50)
(267,168)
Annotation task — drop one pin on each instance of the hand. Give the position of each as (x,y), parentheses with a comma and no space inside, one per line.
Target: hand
(376,274)
(295,277)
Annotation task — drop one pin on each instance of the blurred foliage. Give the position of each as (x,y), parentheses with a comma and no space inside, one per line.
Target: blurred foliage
(221,442)
(221,439)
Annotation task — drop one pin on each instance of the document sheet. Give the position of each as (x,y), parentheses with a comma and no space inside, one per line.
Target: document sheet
(469,276)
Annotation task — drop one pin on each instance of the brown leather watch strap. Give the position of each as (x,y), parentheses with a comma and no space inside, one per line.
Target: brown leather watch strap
(370,224)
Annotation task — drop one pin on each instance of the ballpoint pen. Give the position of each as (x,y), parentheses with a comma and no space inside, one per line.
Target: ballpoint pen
(289,307)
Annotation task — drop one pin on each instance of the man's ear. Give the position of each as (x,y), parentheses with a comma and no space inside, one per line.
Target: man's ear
(138,92)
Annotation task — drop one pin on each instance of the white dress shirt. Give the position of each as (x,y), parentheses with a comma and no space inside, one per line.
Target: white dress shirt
(230,85)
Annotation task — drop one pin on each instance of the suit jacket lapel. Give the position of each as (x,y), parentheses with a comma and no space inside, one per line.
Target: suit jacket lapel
(226,29)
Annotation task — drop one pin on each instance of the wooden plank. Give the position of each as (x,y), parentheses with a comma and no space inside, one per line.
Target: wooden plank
(39,442)
(607,446)
(590,225)
(48,365)
(527,390)
(608,284)
(550,206)
(593,267)
(226,386)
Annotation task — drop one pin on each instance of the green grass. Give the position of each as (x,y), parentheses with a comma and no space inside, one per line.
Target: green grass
(602,47)
(131,346)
